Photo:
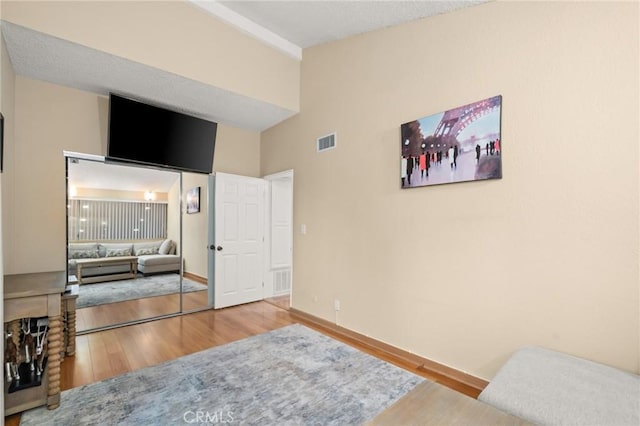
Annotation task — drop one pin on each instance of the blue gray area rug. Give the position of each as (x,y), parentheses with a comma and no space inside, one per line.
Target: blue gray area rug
(121,290)
(290,376)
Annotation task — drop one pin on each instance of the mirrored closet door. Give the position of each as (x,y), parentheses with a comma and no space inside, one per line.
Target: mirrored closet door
(124,244)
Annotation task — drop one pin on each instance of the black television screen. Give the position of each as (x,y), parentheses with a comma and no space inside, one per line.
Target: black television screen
(147,134)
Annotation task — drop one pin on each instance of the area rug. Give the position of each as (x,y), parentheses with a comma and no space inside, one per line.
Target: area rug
(119,291)
(290,376)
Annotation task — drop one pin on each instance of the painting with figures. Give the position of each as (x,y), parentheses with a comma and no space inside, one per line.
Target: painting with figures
(457,145)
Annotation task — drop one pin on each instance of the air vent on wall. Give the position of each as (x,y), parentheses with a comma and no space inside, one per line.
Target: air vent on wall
(326,142)
(282,281)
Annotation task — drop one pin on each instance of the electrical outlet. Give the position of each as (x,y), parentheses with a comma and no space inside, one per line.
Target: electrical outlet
(303,229)
(336,305)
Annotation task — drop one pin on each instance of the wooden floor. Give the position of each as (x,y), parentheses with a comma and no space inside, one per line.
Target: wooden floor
(138,309)
(283,302)
(109,353)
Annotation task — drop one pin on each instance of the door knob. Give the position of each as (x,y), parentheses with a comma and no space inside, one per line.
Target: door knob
(212,247)
(219,248)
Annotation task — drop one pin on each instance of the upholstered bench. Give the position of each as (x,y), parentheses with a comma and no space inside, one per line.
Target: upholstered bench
(155,263)
(552,388)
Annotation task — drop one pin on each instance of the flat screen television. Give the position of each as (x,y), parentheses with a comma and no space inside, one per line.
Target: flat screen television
(146,134)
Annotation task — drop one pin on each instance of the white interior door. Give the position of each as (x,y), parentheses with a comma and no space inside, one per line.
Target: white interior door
(279,241)
(239,239)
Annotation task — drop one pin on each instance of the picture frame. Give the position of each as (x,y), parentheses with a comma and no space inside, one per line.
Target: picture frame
(193,200)
(457,145)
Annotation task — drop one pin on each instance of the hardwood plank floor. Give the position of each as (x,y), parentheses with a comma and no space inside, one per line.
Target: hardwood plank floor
(133,310)
(109,353)
(282,301)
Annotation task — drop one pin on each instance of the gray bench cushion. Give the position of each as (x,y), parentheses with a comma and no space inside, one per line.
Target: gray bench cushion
(158,259)
(158,263)
(551,388)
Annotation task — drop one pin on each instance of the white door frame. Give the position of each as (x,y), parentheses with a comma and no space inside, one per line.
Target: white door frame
(211,240)
(268,273)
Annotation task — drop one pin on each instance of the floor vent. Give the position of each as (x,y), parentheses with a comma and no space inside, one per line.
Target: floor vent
(282,281)
(326,142)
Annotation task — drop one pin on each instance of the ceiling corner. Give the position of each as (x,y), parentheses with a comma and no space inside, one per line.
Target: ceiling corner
(249,27)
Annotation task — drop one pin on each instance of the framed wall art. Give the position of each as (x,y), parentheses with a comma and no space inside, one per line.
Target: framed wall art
(193,200)
(458,145)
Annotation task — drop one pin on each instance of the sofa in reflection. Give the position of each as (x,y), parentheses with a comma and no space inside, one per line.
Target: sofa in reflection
(153,257)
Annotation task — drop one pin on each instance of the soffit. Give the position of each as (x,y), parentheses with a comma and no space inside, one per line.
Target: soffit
(43,57)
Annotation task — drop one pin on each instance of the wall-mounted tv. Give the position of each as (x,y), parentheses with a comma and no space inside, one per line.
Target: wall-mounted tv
(147,134)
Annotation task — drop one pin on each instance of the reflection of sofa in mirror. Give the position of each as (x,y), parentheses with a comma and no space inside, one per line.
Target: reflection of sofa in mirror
(153,257)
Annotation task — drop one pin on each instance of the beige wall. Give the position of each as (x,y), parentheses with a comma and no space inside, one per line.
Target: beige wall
(50,119)
(466,274)
(174,36)
(237,151)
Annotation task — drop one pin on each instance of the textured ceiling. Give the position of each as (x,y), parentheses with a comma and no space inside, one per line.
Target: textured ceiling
(309,23)
(93,174)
